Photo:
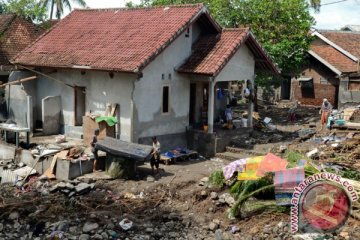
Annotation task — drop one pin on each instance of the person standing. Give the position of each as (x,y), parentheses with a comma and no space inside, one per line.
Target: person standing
(93,147)
(155,158)
(228,115)
(325,111)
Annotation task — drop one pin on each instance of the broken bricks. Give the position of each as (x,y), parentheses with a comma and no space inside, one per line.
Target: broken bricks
(72,189)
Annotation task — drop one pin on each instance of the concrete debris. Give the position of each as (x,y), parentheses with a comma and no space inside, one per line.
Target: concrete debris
(88,227)
(214,195)
(227,198)
(126,224)
(203,181)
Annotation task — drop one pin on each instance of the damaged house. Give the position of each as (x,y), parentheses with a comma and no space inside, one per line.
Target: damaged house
(16,34)
(161,65)
(333,70)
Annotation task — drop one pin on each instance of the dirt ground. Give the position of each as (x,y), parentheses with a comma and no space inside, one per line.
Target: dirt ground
(175,204)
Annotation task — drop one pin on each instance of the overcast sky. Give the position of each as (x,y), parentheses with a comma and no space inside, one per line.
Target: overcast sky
(333,16)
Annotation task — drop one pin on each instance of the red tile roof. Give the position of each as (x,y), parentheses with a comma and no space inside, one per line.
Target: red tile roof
(349,41)
(212,52)
(17,34)
(123,40)
(335,58)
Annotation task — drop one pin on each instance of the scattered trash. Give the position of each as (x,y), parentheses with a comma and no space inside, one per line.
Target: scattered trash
(126,224)
(60,139)
(312,152)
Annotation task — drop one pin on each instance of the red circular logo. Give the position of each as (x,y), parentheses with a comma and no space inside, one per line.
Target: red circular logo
(324,206)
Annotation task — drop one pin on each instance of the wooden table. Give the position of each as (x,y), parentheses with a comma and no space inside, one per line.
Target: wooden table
(16,130)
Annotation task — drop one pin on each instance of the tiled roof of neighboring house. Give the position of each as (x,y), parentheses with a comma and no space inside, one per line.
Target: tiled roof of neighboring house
(124,40)
(354,28)
(5,20)
(349,41)
(335,58)
(340,49)
(16,34)
(212,52)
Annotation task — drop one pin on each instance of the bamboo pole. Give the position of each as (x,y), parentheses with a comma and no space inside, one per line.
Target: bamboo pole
(18,81)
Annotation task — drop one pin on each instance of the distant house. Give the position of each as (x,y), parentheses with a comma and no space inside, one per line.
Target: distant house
(332,72)
(15,34)
(161,65)
(351,28)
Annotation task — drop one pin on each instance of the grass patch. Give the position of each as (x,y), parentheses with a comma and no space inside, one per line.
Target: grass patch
(217,178)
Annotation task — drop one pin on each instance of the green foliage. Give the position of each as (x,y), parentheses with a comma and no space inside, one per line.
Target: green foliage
(59,5)
(28,9)
(243,190)
(293,157)
(217,178)
(281,26)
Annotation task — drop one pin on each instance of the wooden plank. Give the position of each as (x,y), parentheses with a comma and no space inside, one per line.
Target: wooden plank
(63,154)
(50,171)
(18,81)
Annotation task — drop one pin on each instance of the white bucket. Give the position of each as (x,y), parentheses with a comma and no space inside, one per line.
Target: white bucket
(244,122)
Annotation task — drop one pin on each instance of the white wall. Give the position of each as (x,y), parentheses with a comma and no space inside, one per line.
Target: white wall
(148,93)
(240,67)
(100,90)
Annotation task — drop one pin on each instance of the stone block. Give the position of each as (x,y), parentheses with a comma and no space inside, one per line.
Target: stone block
(7,152)
(43,164)
(68,170)
(26,157)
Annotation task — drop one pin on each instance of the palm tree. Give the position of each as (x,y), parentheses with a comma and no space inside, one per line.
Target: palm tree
(315,4)
(59,4)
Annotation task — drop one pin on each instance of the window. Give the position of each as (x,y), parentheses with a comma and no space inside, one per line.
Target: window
(323,81)
(354,85)
(165,99)
(187,34)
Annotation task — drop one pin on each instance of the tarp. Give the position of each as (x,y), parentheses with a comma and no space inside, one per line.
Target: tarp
(285,181)
(110,121)
(251,167)
(236,166)
(115,147)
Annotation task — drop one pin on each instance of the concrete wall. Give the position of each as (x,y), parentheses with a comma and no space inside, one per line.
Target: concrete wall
(168,141)
(100,90)
(203,143)
(240,67)
(19,98)
(148,117)
(347,98)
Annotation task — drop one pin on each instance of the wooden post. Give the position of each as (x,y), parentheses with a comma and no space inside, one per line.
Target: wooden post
(211,106)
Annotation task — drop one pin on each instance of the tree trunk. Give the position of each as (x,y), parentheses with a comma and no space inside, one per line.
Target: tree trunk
(52,9)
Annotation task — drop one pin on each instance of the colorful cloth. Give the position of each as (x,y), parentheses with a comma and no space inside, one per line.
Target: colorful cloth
(110,121)
(236,166)
(251,167)
(271,163)
(285,181)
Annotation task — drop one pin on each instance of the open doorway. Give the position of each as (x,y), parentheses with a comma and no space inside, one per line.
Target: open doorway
(80,96)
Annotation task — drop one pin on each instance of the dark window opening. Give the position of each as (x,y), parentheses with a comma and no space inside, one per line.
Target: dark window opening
(165,99)
(187,34)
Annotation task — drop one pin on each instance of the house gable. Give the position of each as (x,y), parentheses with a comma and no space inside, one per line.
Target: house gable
(16,35)
(333,56)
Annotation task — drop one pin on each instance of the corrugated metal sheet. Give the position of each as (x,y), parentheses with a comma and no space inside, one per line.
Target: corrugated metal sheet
(8,176)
